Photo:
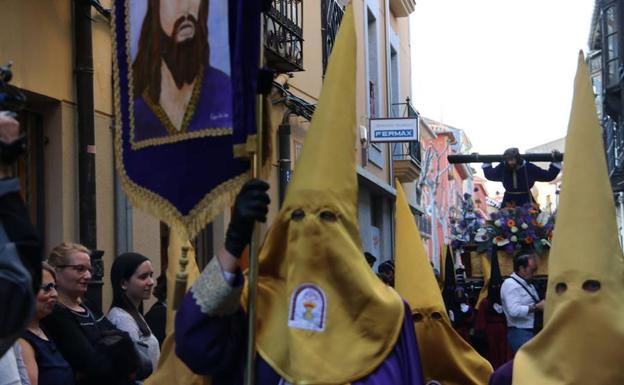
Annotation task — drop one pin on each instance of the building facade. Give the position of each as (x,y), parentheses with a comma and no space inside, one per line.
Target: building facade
(547,193)
(40,39)
(446,184)
(383,84)
(43,40)
(605,60)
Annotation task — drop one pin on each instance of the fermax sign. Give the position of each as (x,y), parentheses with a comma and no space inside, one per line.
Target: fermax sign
(394,130)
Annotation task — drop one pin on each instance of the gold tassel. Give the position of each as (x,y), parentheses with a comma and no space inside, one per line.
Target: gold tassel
(181,279)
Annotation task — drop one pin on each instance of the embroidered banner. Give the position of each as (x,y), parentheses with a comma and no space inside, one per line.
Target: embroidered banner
(185,82)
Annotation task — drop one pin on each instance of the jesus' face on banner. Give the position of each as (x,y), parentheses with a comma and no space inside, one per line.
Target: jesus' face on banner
(181,89)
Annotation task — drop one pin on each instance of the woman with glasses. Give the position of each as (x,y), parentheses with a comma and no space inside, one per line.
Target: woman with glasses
(97,351)
(132,281)
(45,364)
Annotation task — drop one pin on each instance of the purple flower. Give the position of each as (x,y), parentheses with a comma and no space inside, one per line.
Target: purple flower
(509,249)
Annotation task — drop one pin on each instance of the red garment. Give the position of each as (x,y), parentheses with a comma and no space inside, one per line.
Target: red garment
(494,326)
(464,327)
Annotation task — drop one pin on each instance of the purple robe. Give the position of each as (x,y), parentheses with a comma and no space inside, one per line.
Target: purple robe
(502,375)
(215,346)
(518,183)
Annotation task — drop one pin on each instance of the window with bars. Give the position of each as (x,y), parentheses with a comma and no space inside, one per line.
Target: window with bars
(611,46)
(331,17)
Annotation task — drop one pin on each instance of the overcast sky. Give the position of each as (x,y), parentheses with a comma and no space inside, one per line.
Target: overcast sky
(501,70)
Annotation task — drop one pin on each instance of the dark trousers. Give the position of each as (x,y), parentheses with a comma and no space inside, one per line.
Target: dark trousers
(518,337)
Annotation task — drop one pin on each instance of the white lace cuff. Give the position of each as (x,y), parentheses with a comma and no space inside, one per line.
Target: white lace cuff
(213,294)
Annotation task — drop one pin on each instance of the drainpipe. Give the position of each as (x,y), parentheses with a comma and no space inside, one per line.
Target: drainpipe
(86,142)
(283,133)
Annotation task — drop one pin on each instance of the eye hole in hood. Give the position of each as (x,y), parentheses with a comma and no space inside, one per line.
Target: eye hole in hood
(436,316)
(561,288)
(297,215)
(591,285)
(328,216)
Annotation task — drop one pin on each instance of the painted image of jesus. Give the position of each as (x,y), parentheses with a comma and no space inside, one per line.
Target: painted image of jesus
(178,94)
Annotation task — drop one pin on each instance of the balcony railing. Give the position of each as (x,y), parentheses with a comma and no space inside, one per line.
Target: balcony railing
(406,161)
(283,34)
(331,17)
(613,135)
(609,142)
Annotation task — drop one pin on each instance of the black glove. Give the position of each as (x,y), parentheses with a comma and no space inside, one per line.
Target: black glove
(251,205)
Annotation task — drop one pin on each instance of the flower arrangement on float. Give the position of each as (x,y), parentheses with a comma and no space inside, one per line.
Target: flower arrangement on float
(513,229)
(464,229)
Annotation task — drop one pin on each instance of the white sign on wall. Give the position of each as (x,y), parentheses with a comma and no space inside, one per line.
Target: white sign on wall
(394,130)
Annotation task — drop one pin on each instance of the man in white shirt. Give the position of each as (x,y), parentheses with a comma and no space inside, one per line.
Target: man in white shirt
(521,301)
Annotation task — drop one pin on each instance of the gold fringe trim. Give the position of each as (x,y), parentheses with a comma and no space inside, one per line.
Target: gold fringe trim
(202,133)
(209,207)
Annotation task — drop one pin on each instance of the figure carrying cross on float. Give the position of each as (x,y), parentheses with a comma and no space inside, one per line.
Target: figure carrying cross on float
(516,172)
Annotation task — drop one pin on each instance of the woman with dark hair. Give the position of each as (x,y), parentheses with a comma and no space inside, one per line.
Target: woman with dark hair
(156,317)
(132,282)
(45,364)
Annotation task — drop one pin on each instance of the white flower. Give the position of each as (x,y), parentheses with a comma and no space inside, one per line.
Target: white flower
(500,241)
(514,238)
(498,223)
(514,229)
(481,235)
(543,218)
(524,226)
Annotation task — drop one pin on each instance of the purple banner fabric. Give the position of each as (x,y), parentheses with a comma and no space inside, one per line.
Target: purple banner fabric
(185,84)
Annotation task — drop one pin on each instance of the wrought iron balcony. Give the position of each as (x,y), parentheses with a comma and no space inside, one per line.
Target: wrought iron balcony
(614,149)
(406,161)
(283,34)
(331,17)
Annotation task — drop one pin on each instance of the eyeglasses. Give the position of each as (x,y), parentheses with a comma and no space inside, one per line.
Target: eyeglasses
(48,287)
(80,269)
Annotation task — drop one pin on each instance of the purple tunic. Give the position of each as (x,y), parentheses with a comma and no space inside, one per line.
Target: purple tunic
(502,375)
(215,346)
(518,183)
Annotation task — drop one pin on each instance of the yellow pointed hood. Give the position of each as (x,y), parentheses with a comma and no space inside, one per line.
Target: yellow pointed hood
(323,316)
(445,356)
(583,336)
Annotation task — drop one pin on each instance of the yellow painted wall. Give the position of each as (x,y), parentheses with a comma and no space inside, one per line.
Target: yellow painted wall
(105,198)
(61,190)
(102,61)
(36,35)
